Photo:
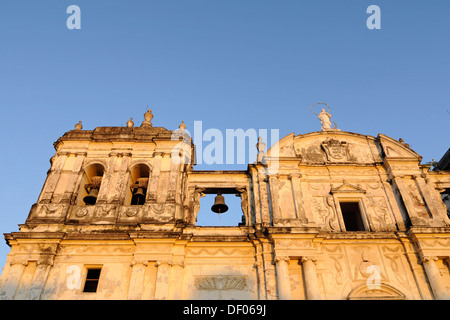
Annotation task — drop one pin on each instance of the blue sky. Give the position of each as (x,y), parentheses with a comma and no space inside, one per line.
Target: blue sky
(232,64)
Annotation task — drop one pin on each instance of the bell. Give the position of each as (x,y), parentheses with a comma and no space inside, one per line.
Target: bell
(219,205)
(91,198)
(138,196)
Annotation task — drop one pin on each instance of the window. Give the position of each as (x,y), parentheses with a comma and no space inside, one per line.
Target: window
(92,278)
(352,216)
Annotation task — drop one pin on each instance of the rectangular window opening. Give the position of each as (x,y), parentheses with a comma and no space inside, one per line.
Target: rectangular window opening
(92,278)
(352,216)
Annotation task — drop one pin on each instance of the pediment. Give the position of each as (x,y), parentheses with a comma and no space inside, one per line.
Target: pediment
(397,149)
(346,187)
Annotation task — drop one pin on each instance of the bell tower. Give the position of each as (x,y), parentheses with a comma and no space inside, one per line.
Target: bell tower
(115,175)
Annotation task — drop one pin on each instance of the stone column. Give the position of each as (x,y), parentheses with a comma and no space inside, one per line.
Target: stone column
(153,182)
(137,280)
(274,195)
(162,280)
(434,277)
(255,192)
(298,197)
(310,276)
(433,206)
(39,280)
(411,210)
(70,193)
(11,283)
(283,280)
(264,201)
(176,281)
(53,176)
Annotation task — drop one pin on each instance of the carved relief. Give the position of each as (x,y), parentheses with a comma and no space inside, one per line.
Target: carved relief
(335,149)
(313,154)
(381,219)
(103,210)
(220,282)
(159,212)
(50,210)
(384,292)
(418,202)
(220,252)
(82,211)
(323,208)
(397,268)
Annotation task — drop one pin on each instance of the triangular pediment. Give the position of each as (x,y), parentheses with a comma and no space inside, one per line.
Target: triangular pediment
(346,187)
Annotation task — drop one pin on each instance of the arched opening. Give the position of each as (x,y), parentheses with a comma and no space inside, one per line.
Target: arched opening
(90,184)
(138,184)
(232,217)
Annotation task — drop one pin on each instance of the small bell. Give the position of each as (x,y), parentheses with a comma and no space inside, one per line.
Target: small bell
(91,198)
(138,197)
(219,205)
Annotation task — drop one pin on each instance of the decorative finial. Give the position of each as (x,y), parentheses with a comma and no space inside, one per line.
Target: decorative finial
(130,123)
(325,118)
(182,126)
(78,126)
(148,116)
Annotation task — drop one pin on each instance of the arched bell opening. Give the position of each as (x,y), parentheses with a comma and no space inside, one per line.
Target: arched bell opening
(138,185)
(90,184)
(224,207)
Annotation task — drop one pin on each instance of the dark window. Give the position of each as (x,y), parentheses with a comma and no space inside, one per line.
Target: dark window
(92,277)
(352,216)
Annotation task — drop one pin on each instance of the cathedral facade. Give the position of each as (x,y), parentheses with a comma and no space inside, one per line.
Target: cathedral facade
(326,215)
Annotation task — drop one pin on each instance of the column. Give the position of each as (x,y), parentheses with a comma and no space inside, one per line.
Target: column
(255,191)
(310,276)
(162,280)
(283,280)
(411,210)
(70,193)
(154,178)
(137,280)
(298,197)
(39,280)
(11,283)
(435,279)
(424,188)
(273,185)
(53,176)
(176,281)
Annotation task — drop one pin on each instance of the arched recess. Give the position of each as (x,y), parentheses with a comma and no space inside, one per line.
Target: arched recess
(136,191)
(379,292)
(90,183)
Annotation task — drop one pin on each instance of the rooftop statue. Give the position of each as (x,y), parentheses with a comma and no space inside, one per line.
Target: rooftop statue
(325,118)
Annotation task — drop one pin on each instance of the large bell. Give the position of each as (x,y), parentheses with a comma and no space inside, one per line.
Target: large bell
(219,205)
(91,198)
(138,197)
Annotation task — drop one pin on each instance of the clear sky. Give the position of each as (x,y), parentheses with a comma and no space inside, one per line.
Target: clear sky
(229,63)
